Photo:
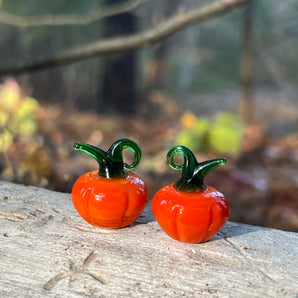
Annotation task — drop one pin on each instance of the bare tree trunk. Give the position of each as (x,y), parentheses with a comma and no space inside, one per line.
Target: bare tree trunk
(247,108)
(118,94)
(154,102)
(47,85)
(159,61)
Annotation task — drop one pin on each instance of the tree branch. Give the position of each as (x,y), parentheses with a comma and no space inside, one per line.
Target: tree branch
(66,20)
(141,40)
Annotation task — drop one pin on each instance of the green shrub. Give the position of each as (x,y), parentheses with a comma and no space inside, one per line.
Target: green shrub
(17,114)
(221,134)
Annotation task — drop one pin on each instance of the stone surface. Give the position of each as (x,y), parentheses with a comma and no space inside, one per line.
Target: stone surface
(47,249)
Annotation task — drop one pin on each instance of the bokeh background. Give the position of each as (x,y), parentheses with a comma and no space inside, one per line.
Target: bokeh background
(224,87)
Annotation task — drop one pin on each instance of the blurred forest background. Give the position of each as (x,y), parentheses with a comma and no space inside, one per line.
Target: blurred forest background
(226,86)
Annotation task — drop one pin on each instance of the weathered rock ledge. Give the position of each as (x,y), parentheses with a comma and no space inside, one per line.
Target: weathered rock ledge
(48,250)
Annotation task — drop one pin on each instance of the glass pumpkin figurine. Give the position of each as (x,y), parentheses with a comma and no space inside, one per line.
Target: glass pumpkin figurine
(188,210)
(110,197)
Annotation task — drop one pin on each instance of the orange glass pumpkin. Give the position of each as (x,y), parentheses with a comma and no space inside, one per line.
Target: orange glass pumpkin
(189,211)
(110,197)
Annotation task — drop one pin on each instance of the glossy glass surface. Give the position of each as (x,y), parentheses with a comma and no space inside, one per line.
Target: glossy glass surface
(110,162)
(193,172)
(191,217)
(109,203)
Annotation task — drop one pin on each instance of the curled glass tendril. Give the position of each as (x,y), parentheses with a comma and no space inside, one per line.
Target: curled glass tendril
(193,172)
(110,162)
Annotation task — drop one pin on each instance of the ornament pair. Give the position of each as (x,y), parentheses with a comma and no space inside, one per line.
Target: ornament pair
(112,197)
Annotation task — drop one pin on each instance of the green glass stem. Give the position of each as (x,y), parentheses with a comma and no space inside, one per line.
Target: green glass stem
(193,172)
(110,162)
